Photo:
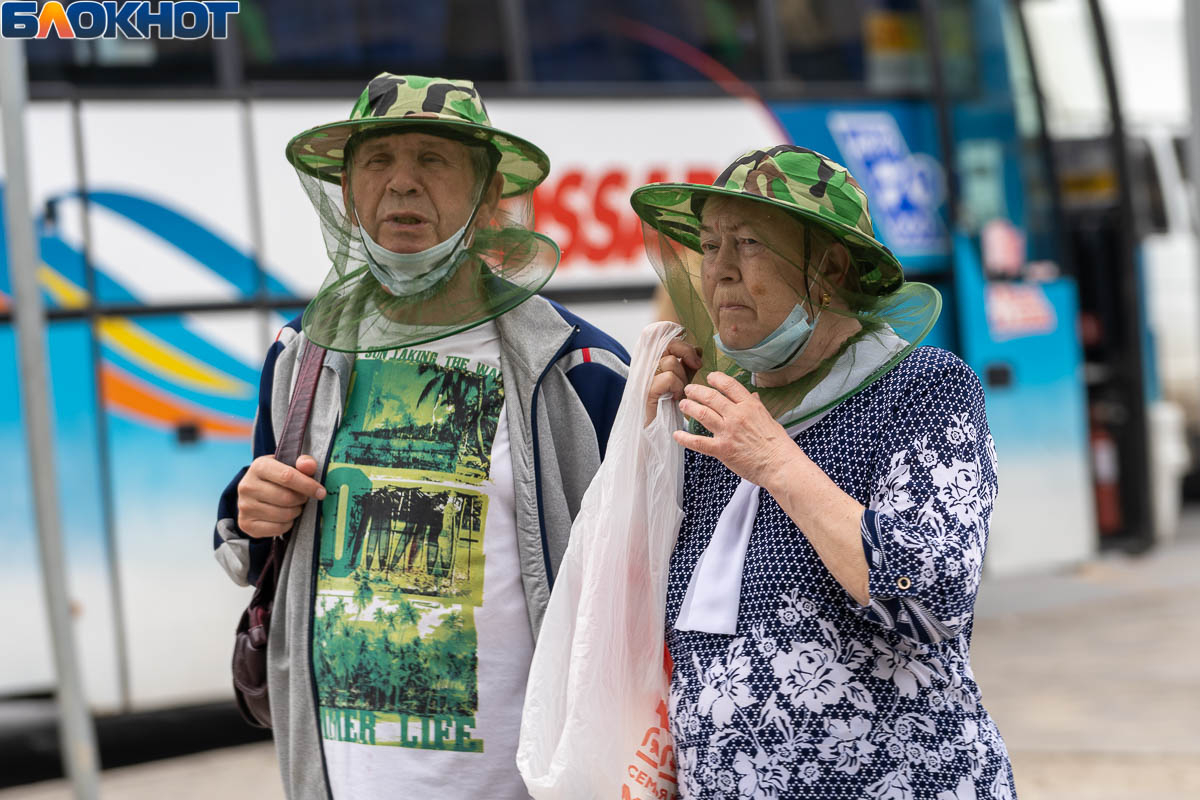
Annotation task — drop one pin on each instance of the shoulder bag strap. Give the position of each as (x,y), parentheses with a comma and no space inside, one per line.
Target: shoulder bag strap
(289,442)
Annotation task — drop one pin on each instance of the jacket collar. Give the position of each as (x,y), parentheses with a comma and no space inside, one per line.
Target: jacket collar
(533,334)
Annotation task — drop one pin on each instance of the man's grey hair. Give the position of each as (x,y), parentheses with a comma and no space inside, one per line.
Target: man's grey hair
(481,160)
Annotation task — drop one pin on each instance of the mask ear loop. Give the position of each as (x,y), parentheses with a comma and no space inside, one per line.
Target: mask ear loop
(494,160)
(807,257)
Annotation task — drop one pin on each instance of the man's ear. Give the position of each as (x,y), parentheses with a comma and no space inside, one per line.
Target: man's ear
(350,213)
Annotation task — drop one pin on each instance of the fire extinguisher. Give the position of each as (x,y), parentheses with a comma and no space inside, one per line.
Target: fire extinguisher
(1106,478)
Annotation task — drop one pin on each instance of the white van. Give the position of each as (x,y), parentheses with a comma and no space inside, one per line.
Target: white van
(1169,252)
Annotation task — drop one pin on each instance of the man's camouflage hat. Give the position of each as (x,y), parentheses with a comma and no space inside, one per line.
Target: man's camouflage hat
(436,105)
(811,187)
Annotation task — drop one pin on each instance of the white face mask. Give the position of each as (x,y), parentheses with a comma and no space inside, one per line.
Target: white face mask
(405,274)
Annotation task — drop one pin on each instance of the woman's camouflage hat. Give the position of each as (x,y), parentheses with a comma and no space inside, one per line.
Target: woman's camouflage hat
(811,187)
(435,104)
(873,322)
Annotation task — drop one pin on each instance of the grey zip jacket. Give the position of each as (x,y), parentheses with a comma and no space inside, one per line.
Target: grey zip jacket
(563,381)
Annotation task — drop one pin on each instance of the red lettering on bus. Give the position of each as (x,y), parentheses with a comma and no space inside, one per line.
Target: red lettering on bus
(604,212)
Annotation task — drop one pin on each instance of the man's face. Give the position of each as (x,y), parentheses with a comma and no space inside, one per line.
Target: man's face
(411,190)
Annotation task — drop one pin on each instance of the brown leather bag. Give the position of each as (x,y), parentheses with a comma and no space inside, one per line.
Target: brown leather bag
(250,645)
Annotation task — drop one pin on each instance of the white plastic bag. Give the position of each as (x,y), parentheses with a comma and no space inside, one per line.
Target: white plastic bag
(594,725)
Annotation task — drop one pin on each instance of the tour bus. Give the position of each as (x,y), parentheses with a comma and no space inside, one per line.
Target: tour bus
(175,241)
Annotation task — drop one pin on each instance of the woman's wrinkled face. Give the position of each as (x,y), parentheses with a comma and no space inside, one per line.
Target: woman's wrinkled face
(748,287)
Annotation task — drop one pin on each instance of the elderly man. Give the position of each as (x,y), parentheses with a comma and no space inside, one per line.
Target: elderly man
(457,422)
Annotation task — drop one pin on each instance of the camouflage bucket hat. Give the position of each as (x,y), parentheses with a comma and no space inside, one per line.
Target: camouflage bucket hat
(499,260)
(812,188)
(429,104)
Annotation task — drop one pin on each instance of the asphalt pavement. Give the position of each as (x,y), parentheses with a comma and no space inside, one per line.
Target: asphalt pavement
(1092,675)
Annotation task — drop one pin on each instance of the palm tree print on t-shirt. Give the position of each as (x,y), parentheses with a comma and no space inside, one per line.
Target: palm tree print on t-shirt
(400,559)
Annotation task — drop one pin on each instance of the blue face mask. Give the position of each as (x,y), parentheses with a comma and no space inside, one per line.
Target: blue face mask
(781,347)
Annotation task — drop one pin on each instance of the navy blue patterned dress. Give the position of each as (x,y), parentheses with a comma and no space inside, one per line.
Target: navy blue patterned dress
(815,697)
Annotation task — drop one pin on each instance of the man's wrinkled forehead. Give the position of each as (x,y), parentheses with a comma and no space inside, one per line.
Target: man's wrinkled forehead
(378,142)
(719,224)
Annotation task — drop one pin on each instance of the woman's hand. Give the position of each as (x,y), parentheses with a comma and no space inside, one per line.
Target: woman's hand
(678,364)
(745,437)
(748,440)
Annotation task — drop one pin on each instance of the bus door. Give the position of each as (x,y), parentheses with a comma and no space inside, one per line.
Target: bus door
(1016,306)
(1071,65)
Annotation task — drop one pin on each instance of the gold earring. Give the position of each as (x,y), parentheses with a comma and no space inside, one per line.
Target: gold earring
(825,298)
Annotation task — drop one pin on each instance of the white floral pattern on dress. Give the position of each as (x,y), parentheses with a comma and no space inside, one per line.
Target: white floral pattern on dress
(847,744)
(810,676)
(890,495)
(723,685)
(958,490)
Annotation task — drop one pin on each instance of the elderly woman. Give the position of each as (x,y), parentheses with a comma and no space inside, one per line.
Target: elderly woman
(838,486)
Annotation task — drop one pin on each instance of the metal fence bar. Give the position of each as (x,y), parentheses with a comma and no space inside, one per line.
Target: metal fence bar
(103,452)
(771,36)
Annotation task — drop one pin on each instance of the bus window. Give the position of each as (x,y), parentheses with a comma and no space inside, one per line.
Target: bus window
(631,40)
(117,62)
(876,44)
(297,40)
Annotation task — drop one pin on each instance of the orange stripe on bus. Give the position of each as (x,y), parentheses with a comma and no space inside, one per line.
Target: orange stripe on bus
(123,392)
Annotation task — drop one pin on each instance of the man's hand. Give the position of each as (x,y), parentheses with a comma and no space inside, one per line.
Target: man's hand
(271,495)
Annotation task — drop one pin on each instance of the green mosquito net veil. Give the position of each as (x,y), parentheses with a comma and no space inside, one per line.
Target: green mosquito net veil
(867,318)
(504,264)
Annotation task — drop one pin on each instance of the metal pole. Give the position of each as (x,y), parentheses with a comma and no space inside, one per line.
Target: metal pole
(516,43)
(1191,28)
(774,52)
(931,28)
(77,737)
(944,114)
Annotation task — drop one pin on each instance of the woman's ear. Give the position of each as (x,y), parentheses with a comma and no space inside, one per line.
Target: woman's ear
(837,265)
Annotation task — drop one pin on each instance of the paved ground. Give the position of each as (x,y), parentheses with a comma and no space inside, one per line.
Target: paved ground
(1093,677)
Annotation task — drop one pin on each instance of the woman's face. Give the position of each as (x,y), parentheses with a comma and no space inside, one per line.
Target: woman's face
(748,287)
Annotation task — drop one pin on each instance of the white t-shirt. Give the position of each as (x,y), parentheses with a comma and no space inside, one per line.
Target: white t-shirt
(421,640)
